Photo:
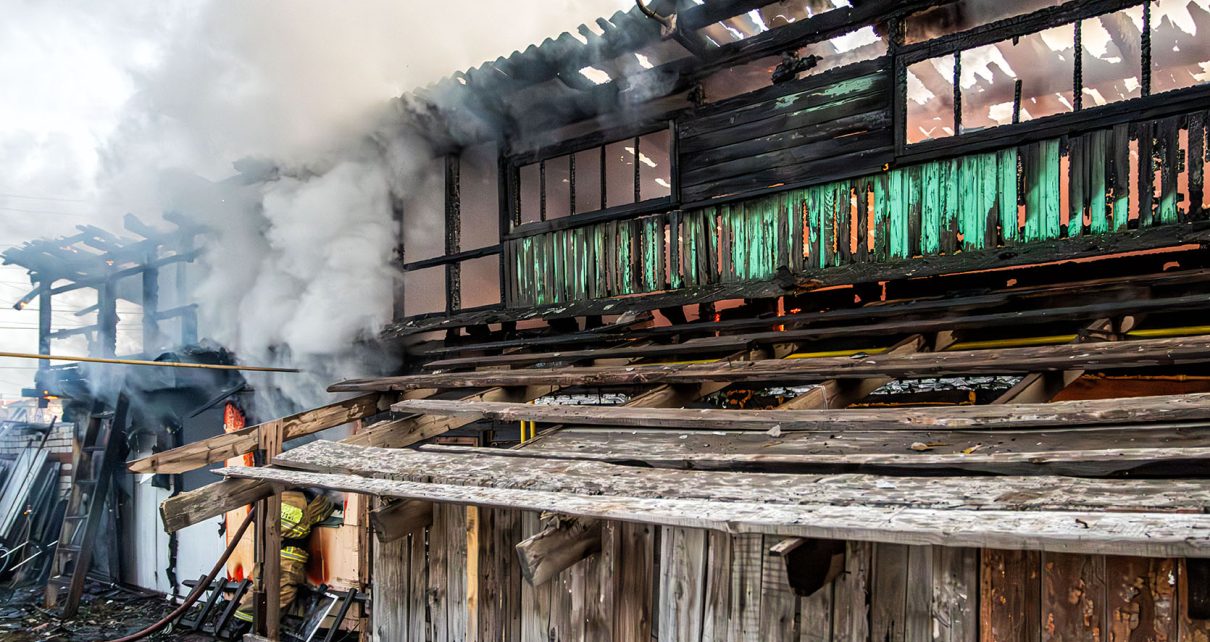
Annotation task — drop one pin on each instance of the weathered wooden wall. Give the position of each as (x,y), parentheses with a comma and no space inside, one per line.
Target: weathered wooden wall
(460,580)
(1141,174)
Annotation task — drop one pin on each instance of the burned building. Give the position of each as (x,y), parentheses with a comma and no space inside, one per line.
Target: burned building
(794,320)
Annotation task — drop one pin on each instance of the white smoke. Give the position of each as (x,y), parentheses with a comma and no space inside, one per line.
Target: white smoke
(297,269)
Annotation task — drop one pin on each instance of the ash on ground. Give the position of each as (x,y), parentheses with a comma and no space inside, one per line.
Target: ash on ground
(106,612)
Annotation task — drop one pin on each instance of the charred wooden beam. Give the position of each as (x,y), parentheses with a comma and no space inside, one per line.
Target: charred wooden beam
(838,393)
(241,442)
(203,503)
(1121,355)
(558,547)
(1095,412)
(398,520)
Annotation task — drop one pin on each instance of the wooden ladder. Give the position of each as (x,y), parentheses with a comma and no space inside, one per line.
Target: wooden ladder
(93,462)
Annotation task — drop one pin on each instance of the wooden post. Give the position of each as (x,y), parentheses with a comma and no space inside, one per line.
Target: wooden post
(268,527)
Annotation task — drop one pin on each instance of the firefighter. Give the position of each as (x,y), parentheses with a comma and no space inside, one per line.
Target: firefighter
(298,515)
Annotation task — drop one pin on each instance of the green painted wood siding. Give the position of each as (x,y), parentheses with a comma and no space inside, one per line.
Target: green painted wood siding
(1070,187)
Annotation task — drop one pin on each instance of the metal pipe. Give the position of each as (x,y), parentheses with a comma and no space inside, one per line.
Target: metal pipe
(143,362)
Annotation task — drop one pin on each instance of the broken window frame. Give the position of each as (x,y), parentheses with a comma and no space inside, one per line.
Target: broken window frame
(453,256)
(1070,13)
(598,140)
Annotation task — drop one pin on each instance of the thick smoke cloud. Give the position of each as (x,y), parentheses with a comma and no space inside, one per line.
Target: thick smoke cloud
(299,93)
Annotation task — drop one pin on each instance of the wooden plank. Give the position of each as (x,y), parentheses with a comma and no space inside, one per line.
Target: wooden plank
(194,506)
(634,582)
(497,600)
(918,617)
(1152,535)
(600,574)
(1096,412)
(439,561)
(1102,356)
(956,594)
(747,562)
(558,547)
(418,578)
(888,593)
(1093,462)
(233,444)
(716,614)
(392,583)
(778,603)
(535,600)
(1040,387)
(398,520)
(851,617)
(682,583)
(1010,596)
(706,345)
(461,570)
(815,615)
(497,467)
(1141,600)
(1073,605)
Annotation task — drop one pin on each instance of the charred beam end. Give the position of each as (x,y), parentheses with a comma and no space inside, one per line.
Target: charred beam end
(810,564)
(194,506)
(558,547)
(399,519)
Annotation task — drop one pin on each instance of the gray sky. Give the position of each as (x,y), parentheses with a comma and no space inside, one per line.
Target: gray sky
(98,93)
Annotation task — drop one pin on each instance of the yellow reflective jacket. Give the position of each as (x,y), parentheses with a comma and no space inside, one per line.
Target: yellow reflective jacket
(298,515)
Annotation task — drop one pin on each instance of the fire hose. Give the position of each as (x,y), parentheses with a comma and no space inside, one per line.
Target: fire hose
(200,589)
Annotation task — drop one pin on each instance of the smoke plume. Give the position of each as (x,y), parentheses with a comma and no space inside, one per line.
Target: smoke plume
(297,98)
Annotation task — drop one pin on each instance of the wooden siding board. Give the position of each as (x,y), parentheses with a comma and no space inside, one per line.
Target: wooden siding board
(1010,596)
(682,584)
(391,580)
(1145,134)
(438,582)
(747,561)
(955,594)
(888,595)
(418,577)
(918,616)
(778,603)
(1141,601)
(1073,590)
(851,616)
(1196,162)
(1119,170)
(716,614)
(815,615)
(1007,195)
(634,581)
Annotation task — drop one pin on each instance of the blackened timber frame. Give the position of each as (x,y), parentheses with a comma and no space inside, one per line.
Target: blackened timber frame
(511,220)
(1070,13)
(453,255)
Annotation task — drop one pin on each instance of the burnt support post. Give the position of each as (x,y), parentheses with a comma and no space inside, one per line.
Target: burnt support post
(453,233)
(107,320)
(151,307)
